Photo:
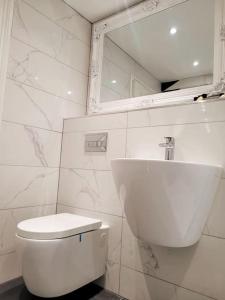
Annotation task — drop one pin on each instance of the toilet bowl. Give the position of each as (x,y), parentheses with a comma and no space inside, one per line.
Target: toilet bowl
(61,253)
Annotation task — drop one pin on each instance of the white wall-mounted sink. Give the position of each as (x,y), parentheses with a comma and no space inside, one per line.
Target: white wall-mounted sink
(166,202)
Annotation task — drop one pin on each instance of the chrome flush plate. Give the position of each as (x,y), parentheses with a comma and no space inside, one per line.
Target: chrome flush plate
(96,142)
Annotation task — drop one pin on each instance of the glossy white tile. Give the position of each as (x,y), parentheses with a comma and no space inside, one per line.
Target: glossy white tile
(216,222)
(88,189)
(26,105)
(29,146)
(33,67)
(199,268)
(65,16)
(74,156)
(101,122)
(49,37)
(27,186)
(10,267)
(183,114)
(194,142)
(138,286)
(110,281)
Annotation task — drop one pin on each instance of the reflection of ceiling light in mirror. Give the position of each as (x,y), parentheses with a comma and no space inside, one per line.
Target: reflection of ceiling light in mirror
(173,30)
(69,92)
(195,63)
(113,81)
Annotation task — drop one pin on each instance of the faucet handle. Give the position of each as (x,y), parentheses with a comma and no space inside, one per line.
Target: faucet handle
(169,142)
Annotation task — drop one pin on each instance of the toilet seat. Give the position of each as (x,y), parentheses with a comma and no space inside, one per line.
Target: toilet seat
(56,226)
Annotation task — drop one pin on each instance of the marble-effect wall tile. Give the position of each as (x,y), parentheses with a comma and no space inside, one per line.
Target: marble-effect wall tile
(34,68)
(74,156)
(65,16)
(100,122)
(47,82)
(27,186)
(49,37)
(151,272)
(26,105)
(182,114)
(34,147)
(200,143)
(199,268)
(88,189)
(138,286)
(10,267)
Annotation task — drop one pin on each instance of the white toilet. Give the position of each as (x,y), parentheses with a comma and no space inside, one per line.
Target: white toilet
(60,253)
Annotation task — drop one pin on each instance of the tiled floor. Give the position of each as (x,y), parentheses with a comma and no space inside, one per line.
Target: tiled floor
(89,292)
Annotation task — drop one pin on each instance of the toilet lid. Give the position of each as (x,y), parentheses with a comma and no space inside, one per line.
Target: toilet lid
(56,226)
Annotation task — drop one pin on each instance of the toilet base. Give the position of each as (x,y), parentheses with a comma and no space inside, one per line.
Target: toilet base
(53,268)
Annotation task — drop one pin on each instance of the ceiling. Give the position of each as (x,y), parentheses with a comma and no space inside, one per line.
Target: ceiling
(95,10)
(170,57)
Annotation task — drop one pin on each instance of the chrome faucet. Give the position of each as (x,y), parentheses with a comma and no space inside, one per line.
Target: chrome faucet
(169,146)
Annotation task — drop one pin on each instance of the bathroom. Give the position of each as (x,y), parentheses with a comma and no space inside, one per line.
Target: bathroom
(113,117)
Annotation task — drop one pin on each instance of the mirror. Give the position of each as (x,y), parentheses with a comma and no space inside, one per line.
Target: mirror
(167,51)
(157,52)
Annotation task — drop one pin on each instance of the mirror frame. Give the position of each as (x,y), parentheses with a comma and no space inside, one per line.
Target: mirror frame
(6,17)
(138,12)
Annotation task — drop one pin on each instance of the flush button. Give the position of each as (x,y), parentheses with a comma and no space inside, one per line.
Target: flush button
(96,142)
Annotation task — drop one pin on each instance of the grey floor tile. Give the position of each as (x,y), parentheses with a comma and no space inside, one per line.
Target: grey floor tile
(89,292)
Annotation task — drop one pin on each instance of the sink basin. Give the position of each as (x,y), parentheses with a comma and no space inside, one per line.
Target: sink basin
(166,202)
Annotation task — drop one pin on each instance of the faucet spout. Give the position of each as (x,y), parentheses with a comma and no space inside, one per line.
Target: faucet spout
(169,146)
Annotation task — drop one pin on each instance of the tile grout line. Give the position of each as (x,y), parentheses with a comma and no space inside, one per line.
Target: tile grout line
(90,210)
(163,280)
(28,166)
(120,261)
(48,93)
(176,124)
(57,24)
(24,207)
(49,55)
(59,177)
(31,126)
(121,234)
(138,127)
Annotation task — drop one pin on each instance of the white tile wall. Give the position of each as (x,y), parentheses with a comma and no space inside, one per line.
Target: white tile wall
(30,66)
(89,189)
(28,146)
(65,17)
(30,106)
(81,160)
(139,286)
(146,271)
(49,37)
(47,82)
(27,186)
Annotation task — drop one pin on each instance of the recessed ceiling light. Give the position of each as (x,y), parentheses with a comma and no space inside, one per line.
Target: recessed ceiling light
(173,30)
(114,81)
(69,93)
(195,63)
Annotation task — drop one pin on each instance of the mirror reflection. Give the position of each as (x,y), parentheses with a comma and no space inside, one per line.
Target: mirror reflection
(167,51)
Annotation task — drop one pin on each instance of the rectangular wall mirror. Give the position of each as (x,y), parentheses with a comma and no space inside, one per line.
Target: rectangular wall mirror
(157,52)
